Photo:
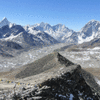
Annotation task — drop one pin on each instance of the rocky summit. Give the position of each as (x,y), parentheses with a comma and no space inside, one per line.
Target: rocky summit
(63,80)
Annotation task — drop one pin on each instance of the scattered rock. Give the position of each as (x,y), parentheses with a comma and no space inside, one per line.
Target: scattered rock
(70,83)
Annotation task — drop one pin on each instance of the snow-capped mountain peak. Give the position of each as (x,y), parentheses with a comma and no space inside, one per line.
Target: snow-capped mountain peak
(93,20)
(4,18)
(4,22)
(90,31)
(42,24)
(56,31)
(59,32)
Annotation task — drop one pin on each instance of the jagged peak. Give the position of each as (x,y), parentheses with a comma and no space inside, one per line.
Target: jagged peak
(60,26)
(4,18)
(4,22)
(43,24)
(92,21)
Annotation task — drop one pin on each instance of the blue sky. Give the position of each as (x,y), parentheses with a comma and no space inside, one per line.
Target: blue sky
(72,13)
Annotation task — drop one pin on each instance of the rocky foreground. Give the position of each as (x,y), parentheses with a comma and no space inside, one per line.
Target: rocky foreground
(67,82)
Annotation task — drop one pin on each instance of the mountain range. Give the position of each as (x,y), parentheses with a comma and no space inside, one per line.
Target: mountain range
(16,33)
(63,34)
(45,34)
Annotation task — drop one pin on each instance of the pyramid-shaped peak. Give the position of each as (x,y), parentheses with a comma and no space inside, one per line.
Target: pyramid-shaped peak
(4,18)
(4,22)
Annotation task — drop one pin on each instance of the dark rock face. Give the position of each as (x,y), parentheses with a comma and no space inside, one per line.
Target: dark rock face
(5,31)
(46,37)
(13,45)
(89,28)
(64,61)
(17,29)
(69,86)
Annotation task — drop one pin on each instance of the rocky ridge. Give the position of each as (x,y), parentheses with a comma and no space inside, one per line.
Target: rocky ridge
(67,81)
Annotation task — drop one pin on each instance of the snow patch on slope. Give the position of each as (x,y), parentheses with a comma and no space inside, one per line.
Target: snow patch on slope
(97,80)
(81,40)
(12,36)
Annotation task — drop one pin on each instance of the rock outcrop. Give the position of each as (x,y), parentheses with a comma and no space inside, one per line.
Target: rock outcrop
(67,82)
